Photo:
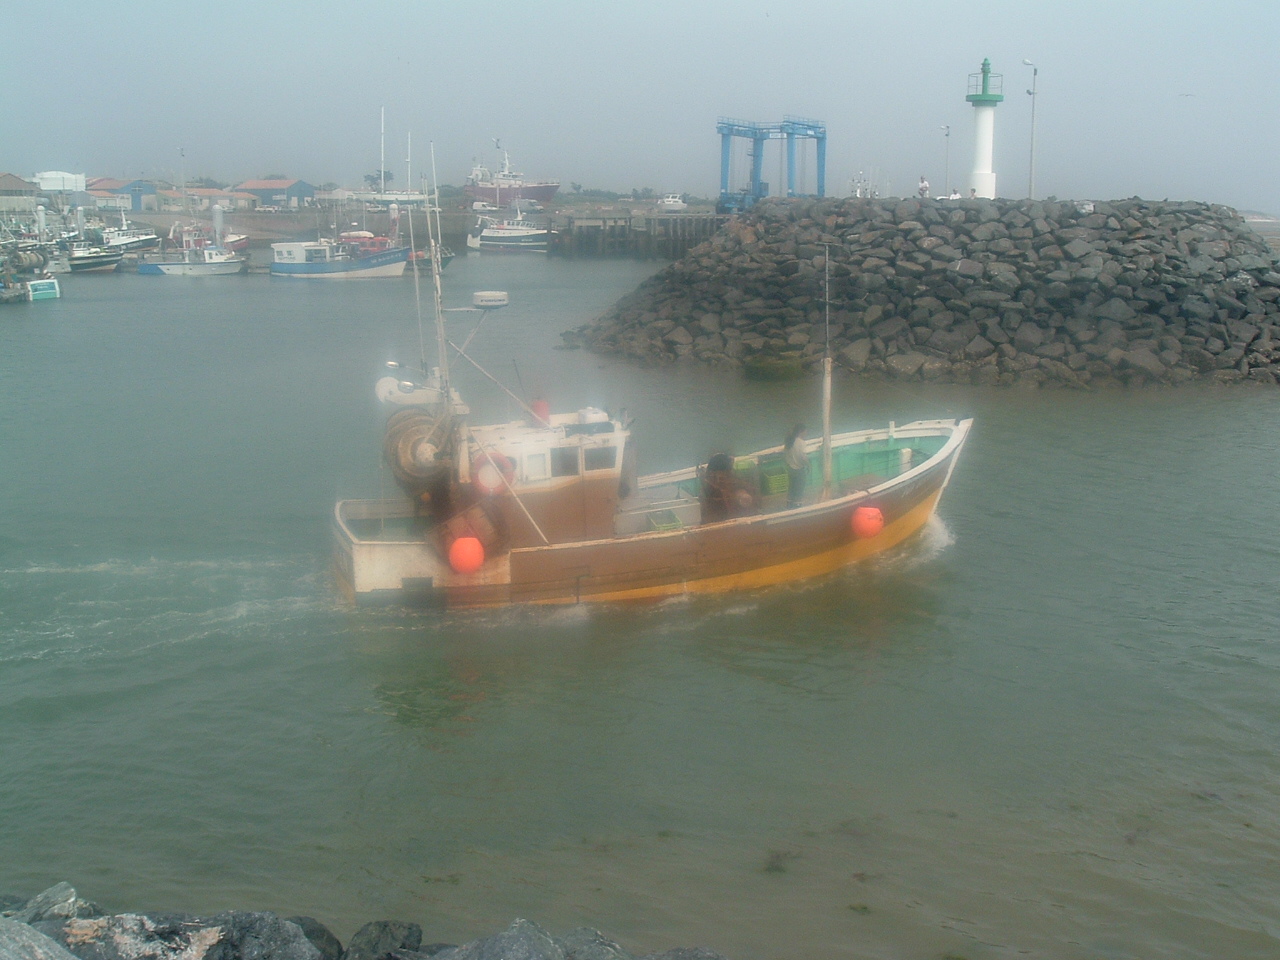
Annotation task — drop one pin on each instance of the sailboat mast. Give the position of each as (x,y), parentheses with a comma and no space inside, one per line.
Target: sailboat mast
(382,163)
(826,376)
(442,345)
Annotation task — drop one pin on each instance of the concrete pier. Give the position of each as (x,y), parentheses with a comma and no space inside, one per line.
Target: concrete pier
(659,236)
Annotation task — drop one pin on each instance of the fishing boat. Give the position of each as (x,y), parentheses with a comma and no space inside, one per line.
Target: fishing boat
(672,203)
(551,509)
(510,235)
(212,261)
(199,232)
(506,185)
(200,252)
(336,259)
(128,239)
(84,256)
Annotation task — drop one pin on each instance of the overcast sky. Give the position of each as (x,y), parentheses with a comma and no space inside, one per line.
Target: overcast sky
(1155,99)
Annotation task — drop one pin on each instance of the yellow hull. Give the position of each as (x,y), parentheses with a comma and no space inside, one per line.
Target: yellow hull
(818,565)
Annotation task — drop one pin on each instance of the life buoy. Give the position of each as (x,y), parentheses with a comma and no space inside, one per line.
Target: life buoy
(492,472)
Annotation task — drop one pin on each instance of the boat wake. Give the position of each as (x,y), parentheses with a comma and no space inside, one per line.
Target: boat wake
(119,607)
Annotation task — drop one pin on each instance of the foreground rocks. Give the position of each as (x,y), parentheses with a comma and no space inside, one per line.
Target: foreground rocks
(981,291)
(60,926)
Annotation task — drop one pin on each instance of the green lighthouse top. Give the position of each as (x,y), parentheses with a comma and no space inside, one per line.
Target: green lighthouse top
(985,87)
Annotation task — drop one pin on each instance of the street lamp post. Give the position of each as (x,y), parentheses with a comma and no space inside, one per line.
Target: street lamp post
(1031,176)
(946,133)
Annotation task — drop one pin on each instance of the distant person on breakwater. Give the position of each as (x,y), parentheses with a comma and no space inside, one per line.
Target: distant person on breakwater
(973,193)
(796,458)
(923,189)
(955,194)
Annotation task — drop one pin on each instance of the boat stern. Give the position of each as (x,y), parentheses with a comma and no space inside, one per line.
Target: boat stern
(379,555)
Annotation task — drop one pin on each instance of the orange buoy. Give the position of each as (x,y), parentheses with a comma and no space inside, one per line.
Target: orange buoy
(466,555)
(867,522)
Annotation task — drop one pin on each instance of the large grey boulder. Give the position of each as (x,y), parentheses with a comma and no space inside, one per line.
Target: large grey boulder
(321,937)
(376,940)
(523,940)
(18,941)
(59,902)
(234,935)
(585,943)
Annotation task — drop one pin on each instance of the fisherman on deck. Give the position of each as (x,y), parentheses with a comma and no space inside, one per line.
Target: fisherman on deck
(796,457)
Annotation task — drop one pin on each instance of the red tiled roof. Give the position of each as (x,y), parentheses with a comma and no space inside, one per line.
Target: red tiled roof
(11,181)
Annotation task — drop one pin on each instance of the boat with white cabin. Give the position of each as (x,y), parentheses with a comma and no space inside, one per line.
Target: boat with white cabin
(551,508)
(506,185)
(352,258)
(200,253)
(83,257)
(513,234)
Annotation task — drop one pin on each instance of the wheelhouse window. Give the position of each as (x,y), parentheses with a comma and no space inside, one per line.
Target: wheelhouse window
(564,461)
(535,466)
(600,458)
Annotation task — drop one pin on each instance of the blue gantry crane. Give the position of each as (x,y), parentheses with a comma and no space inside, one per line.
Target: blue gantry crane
(792,129)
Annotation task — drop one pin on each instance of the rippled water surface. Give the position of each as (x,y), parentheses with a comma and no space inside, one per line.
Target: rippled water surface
(1046,728)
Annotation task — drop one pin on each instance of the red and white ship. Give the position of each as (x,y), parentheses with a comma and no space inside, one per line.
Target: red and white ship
(507,185)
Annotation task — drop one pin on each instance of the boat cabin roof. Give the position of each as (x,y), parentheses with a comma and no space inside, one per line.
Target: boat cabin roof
(533,447)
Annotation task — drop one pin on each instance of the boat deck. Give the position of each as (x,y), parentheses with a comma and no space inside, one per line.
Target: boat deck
(673,501)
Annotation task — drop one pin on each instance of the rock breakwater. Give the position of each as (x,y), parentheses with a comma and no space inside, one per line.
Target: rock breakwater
(59,925)
(983,291)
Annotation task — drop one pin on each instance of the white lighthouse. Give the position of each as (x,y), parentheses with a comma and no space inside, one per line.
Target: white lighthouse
(984,94)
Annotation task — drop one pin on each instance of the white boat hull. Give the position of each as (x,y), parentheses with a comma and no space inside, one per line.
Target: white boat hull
(216,269)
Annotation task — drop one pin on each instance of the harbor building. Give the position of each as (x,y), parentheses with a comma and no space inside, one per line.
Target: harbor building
(285,194)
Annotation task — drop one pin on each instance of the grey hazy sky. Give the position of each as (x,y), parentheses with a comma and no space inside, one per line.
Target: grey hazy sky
(1156,99)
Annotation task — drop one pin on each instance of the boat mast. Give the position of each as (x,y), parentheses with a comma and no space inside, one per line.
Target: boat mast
(382,163)
(442,344)
(826,375)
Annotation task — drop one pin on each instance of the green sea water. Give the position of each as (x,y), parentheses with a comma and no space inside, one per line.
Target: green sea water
(1046,728)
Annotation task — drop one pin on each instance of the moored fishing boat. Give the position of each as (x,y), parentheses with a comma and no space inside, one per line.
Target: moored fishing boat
(201,253)
(506,185)
(514,234)
(197,262)
(336,260)
(84,257)
(128,239)
(551,509)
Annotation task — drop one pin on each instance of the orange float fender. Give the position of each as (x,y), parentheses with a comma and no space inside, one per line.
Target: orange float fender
(866,522)
(466,555)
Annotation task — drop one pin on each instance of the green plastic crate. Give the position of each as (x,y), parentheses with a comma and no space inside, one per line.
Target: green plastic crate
(664,520)
(773,479)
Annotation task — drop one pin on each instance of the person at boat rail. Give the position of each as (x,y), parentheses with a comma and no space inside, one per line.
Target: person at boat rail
(796,457)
